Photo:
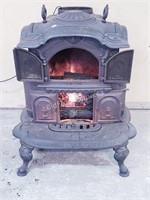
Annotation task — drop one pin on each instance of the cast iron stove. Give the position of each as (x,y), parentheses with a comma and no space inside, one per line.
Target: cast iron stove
(74,80)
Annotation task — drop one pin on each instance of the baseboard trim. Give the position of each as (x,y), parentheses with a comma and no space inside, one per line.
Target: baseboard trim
(138,105)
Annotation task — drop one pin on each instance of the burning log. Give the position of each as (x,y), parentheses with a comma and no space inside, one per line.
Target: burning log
(73,113)
(70,75)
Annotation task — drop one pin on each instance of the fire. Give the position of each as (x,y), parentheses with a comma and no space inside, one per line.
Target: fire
(74,60)
(72,68)
(73,97)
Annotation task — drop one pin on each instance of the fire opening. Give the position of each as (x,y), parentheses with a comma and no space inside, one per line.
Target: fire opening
(73,64)
(76,106)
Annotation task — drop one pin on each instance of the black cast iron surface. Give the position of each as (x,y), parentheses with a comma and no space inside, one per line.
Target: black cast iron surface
(73,21)
(74,52)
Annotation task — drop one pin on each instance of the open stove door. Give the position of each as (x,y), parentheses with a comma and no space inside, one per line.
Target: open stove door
(118,68)
(28,66)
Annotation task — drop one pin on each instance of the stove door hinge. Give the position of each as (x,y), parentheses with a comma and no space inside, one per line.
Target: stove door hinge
(45,71)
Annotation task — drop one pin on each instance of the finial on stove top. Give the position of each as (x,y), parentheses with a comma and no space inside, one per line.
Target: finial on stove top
(44,13)
(105,13)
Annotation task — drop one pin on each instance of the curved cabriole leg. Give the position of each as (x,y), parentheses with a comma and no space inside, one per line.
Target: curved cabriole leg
(120,155)
(26,155)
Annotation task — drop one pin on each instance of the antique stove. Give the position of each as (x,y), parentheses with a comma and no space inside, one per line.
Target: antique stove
(74,80)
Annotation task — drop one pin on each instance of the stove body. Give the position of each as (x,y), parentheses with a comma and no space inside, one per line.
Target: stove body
(75,85)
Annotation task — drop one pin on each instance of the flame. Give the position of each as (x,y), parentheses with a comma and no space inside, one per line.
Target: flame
(72,68)
(74,60)
(73,97)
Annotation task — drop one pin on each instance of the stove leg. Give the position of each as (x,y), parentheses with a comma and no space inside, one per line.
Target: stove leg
(120,155)
(26,155)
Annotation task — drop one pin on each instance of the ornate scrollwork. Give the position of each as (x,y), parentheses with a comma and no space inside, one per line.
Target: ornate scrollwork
(73,39)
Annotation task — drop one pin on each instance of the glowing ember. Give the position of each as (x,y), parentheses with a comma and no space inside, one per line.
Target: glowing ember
(73,97)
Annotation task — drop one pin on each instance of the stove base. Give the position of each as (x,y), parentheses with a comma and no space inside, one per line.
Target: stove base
(73,137)
(120,155)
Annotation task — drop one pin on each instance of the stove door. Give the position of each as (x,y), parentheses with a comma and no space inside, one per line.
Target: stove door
(46,108)
(118,67)
(28,66)
(108,107)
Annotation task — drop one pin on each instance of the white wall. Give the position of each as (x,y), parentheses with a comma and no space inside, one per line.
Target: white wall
(16,14)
